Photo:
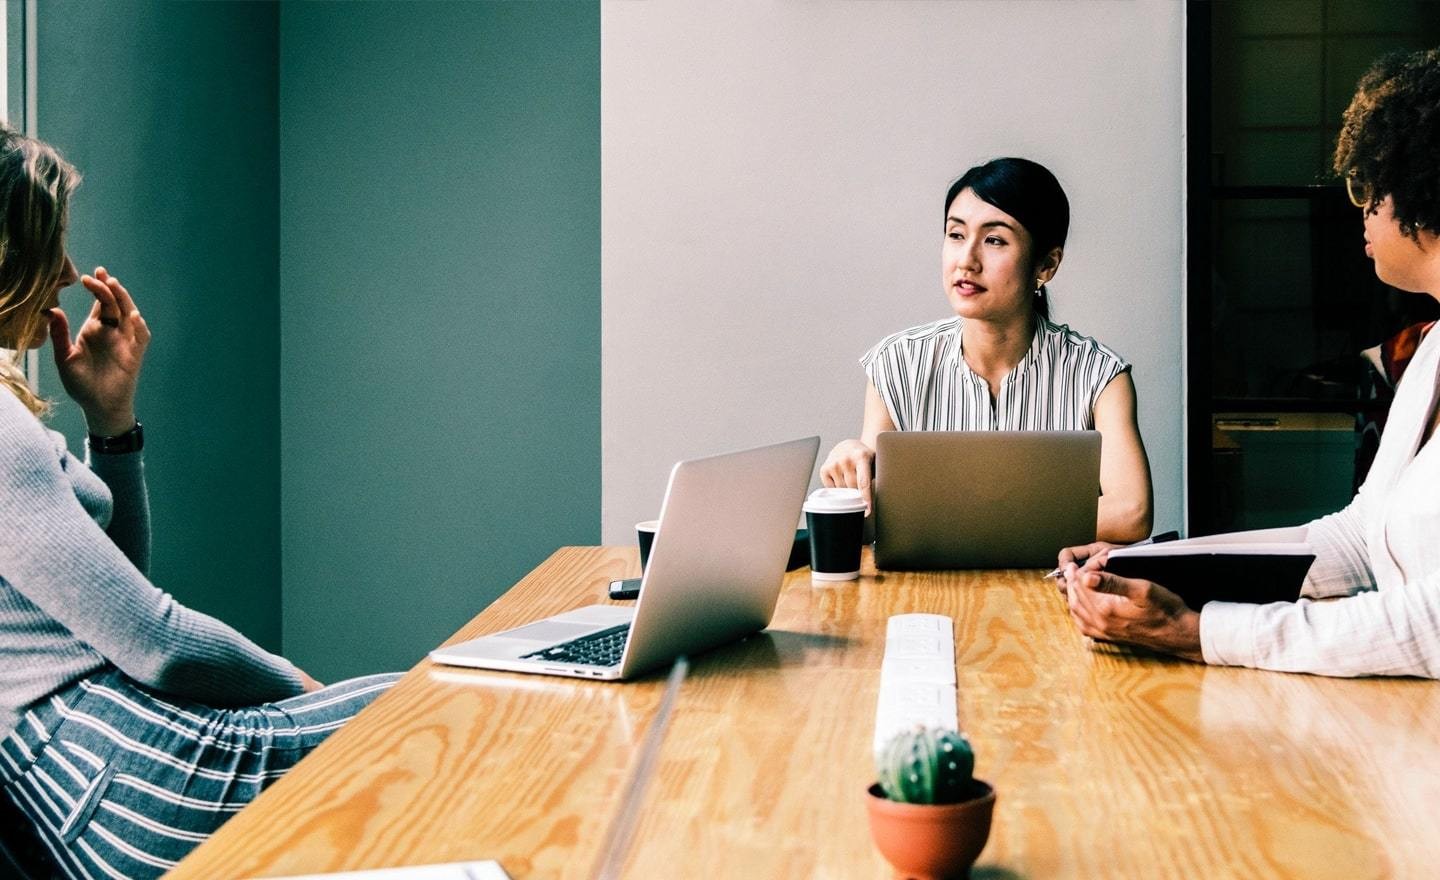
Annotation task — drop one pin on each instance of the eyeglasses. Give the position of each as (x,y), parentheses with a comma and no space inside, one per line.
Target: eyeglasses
(1362,198)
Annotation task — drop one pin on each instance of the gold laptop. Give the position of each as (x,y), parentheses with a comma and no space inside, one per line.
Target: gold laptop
(983,499)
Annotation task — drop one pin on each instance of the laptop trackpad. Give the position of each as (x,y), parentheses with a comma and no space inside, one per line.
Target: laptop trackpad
(549,631)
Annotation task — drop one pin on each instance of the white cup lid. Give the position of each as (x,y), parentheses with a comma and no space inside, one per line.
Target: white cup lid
(834,500)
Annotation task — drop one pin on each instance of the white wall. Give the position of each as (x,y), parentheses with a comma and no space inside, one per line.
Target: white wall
(772,179)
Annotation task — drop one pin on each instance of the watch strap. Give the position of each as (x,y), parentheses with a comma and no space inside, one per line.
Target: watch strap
(132,440)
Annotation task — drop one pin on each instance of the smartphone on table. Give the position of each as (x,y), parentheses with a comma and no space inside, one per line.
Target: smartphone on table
(629,588)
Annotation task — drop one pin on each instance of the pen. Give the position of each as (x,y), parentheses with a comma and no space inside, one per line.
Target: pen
(1153,539)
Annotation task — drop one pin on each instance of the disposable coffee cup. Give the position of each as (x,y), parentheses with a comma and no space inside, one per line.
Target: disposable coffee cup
(645,535)
(836,520)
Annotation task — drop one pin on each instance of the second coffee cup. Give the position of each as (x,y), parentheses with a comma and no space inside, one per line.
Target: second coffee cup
(836,519)
(645,536)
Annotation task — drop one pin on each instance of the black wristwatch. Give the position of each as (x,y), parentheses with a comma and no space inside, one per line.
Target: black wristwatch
(132,440)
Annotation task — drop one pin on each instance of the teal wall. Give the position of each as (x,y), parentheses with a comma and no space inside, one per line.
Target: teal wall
(169,110)
(439,315)
(367,240)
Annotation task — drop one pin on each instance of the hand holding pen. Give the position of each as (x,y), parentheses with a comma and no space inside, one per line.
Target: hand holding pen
(1085,554)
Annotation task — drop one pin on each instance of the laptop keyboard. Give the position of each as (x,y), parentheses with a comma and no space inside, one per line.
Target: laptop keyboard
(603,648)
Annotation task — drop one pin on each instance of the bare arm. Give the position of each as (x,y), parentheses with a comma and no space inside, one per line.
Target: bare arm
(877,416)
(1125,495)
(852,462)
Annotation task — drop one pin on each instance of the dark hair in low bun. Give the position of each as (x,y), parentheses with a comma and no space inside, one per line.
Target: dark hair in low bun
(1028,192)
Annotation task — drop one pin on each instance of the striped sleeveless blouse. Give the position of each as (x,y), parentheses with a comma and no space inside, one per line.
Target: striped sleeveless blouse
(927,386)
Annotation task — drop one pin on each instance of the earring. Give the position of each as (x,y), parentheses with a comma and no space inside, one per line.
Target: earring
(1039,286)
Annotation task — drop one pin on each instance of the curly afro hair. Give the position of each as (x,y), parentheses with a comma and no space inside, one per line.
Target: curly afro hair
(1390,138)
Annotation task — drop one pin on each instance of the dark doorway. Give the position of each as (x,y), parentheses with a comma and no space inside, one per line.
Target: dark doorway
(1282,301)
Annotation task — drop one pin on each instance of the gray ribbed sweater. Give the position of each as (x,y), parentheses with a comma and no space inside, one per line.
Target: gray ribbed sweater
(74,596)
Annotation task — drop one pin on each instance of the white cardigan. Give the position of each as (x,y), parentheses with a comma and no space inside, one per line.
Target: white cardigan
(1382,553)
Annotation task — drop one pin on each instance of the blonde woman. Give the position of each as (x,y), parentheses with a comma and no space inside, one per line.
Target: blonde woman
(131,726)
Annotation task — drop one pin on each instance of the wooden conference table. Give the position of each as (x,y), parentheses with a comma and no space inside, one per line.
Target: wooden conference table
(1107,763)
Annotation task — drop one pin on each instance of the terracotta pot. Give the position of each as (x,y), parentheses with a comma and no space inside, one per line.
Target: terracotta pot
(931,841)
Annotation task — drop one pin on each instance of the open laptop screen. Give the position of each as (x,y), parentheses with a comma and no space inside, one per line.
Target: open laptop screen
(983,499)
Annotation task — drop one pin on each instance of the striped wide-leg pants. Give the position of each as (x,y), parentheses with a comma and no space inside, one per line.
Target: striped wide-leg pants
(121,782)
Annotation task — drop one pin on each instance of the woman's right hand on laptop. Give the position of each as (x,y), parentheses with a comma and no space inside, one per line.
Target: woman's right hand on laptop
(850,465)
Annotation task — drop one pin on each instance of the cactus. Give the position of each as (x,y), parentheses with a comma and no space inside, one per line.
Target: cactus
(926,766)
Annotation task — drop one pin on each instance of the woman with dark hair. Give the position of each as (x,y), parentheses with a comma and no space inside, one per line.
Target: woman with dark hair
(1000,364)
(1378,558)
(131,726)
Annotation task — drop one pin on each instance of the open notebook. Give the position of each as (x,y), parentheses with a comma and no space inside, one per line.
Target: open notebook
(1265,565)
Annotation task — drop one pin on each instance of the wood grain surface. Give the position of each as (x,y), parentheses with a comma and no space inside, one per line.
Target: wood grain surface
(1107,763)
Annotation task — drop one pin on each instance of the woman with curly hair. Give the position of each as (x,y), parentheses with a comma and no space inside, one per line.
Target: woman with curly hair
(1379,558)
(131,727)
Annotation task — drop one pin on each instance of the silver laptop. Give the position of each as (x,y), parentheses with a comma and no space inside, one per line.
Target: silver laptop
(983,499)
(726,529)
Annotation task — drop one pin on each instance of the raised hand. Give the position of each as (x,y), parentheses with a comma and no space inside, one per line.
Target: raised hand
(100,367)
